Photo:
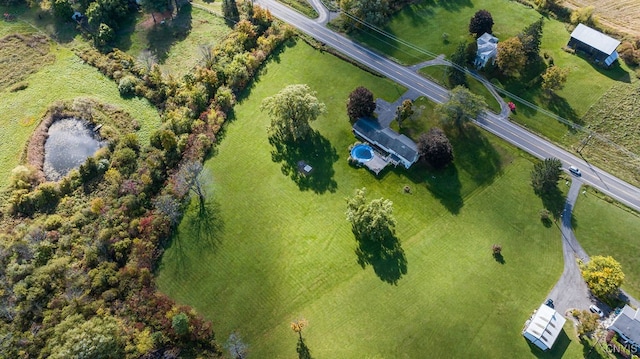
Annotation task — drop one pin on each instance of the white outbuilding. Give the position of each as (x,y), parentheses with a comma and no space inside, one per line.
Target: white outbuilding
(544,327)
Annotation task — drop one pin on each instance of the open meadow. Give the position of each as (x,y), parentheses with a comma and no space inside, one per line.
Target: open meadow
(277,247)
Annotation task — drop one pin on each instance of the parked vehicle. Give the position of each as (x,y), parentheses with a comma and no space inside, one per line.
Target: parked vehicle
(596,310)
(575,170)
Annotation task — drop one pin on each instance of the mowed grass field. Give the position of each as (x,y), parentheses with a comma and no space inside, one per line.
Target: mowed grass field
(66,78)
(605,229)
(272,253)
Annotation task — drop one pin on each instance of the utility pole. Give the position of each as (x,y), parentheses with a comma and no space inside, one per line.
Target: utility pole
(584,143)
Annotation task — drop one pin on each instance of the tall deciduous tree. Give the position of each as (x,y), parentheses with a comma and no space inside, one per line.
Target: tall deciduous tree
(75,337)
(587,322)
(545,175)
(456,76)
(531,37)
(360,104)
(404,111)
(481,22)
(435,148)
(462,107)
(603,275)
(153,6)
(554,78)
(291,111)
(511,57)
(373,12)
(373,221)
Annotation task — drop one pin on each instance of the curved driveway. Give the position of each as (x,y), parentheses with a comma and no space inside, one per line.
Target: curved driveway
(497,124)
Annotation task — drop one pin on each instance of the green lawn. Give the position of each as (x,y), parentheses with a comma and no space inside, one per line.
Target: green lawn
(605,229)
(177,43)
(65,79)
(271,252)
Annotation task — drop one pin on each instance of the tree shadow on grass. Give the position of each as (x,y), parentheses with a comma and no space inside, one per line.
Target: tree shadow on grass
(589,352)
(444,184)
(201,229)
(562,108)
(161,37)
(303,350)
(476,155)
(316,151)
(384,254)
(553,200)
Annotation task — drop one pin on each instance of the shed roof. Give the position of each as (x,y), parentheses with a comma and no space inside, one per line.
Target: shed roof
(595,39)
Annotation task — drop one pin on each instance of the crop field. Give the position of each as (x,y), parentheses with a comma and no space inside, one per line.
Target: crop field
(622,15)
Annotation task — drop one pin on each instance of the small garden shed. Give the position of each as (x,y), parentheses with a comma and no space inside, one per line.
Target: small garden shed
(600,47)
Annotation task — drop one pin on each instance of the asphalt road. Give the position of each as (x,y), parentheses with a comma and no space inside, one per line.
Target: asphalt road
(497,124)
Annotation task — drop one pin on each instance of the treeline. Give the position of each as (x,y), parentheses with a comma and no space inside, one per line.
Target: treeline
(77,256)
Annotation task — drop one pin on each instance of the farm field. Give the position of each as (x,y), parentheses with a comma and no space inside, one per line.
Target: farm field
(622,15)
(277,250)
(605,229)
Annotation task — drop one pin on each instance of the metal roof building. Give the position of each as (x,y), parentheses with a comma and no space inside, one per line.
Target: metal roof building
(627,324)
(600,46)
(544,327)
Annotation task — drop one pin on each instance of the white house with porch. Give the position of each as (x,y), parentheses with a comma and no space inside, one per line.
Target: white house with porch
(487,50)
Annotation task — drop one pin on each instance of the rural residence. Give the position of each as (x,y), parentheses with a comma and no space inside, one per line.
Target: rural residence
(544,327)
(600,47)
(391,146)
(487,50)
(627,325)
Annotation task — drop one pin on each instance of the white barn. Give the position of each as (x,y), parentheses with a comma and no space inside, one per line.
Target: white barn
(544,327)
(487,50)
(600,47)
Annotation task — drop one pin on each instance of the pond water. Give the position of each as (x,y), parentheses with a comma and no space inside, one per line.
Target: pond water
(71,141)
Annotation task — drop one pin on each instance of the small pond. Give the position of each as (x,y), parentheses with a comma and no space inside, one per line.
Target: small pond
(71,141)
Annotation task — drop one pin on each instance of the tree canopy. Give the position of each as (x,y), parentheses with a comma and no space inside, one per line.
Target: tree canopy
(554,78)
(481,22)
(373,12)
(511,57)
(404,111)
(291,111)
(435,148)
(360,104)
(603,275)
(531,37)
(374,220)
(545,175)
(463,106)
(456,76)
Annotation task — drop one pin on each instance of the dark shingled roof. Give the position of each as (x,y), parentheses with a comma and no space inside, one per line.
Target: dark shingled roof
(628,324)
(387,139)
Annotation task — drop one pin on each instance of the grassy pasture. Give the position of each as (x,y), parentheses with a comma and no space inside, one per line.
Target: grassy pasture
(177,43)
(277,248)
(64,79)
(605,229)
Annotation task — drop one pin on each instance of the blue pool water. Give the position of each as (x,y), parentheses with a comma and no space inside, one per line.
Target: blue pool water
(362,153)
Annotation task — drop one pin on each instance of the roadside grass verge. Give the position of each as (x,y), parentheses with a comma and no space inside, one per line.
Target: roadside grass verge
(65,79)
(177,44)
(301,6)
(274,253)
(439,75)
(604,228)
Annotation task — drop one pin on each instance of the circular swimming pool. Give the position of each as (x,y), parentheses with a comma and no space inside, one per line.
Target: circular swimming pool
(362,152)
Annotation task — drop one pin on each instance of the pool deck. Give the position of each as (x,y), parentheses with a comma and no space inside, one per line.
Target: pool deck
(377,163)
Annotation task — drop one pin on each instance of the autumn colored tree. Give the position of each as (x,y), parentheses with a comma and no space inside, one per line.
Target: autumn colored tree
(554,78)
(511,57)
(404,111)
(435,148)
(481,22)
(463,106)
(603,275)
(587,322)
(360,104)
(545,175)
(291,111)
